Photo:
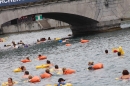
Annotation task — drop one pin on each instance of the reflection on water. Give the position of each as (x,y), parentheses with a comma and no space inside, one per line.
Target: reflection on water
(75,56)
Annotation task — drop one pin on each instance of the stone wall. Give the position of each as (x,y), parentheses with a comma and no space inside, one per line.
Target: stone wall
(33,26)
(55,23)
(28,26)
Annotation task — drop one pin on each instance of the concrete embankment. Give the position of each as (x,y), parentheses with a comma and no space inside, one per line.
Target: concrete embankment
(44,24)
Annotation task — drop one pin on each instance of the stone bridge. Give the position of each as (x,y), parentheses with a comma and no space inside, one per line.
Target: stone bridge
(82,15)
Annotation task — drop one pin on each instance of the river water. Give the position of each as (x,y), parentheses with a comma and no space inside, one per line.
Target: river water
(75,57)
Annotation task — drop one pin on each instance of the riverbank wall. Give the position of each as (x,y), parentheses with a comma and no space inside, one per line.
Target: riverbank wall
(30,26)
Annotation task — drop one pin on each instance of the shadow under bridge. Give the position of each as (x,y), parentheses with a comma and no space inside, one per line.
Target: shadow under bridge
(79,25)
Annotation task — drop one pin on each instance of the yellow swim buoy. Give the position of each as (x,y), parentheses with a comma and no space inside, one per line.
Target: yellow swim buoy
(57,39)
(42,66)
(17,70)
(51,85)
(121,50)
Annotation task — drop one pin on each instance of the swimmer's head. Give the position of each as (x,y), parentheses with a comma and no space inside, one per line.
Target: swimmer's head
(27,58)
(4,45)
(10,80)
(90,68)
(63,69)
(119,53)
(26,73)
(47,71)
(39,55)
(23,68)
(56,67)
(125,72)
(106,51)
(90,63)
(48,62)
(30,77)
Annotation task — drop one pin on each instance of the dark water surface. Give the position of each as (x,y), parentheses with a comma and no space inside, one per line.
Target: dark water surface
(76,57)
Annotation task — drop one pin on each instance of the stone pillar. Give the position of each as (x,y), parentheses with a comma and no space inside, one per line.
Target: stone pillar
(84,29)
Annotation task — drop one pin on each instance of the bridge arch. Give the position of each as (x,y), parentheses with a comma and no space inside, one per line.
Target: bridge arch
(75,21)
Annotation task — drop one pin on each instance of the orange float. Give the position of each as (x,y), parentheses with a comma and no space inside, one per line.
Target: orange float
(42,57)
(68,44)
(35,79)
(45,75)
(25,60)
(69,71)
(84,41)
(98,66)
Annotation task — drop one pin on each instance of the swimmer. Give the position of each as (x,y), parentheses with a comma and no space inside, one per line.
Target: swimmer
(40,57)
(43,39)
(49,38)
(49,63)
(26,74)
(48,71)
(67,71)
(38,41)
(10,82)
(7,45)
(125,75)
(47,74)
(30,77)
(90,64)
(23,68)
(106,51)
(119,53)
(14,45)
(21,42)
(33,79)
(61,82)
(57,69)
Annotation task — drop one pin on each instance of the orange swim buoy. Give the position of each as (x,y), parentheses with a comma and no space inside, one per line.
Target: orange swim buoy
(35,79)
(25,60)
(68,44)
(69,71)
(42,57)
(84,41)
(98,66)
(45,75)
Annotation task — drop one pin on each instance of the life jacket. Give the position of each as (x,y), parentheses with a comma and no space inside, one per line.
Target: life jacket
(17,70)
(42,57)
(69,71)
(68,44)
(35,79)
(45,75)
(84,41)
(25,60)
(98,66)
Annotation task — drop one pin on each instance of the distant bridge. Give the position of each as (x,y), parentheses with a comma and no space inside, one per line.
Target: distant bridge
(82,15)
